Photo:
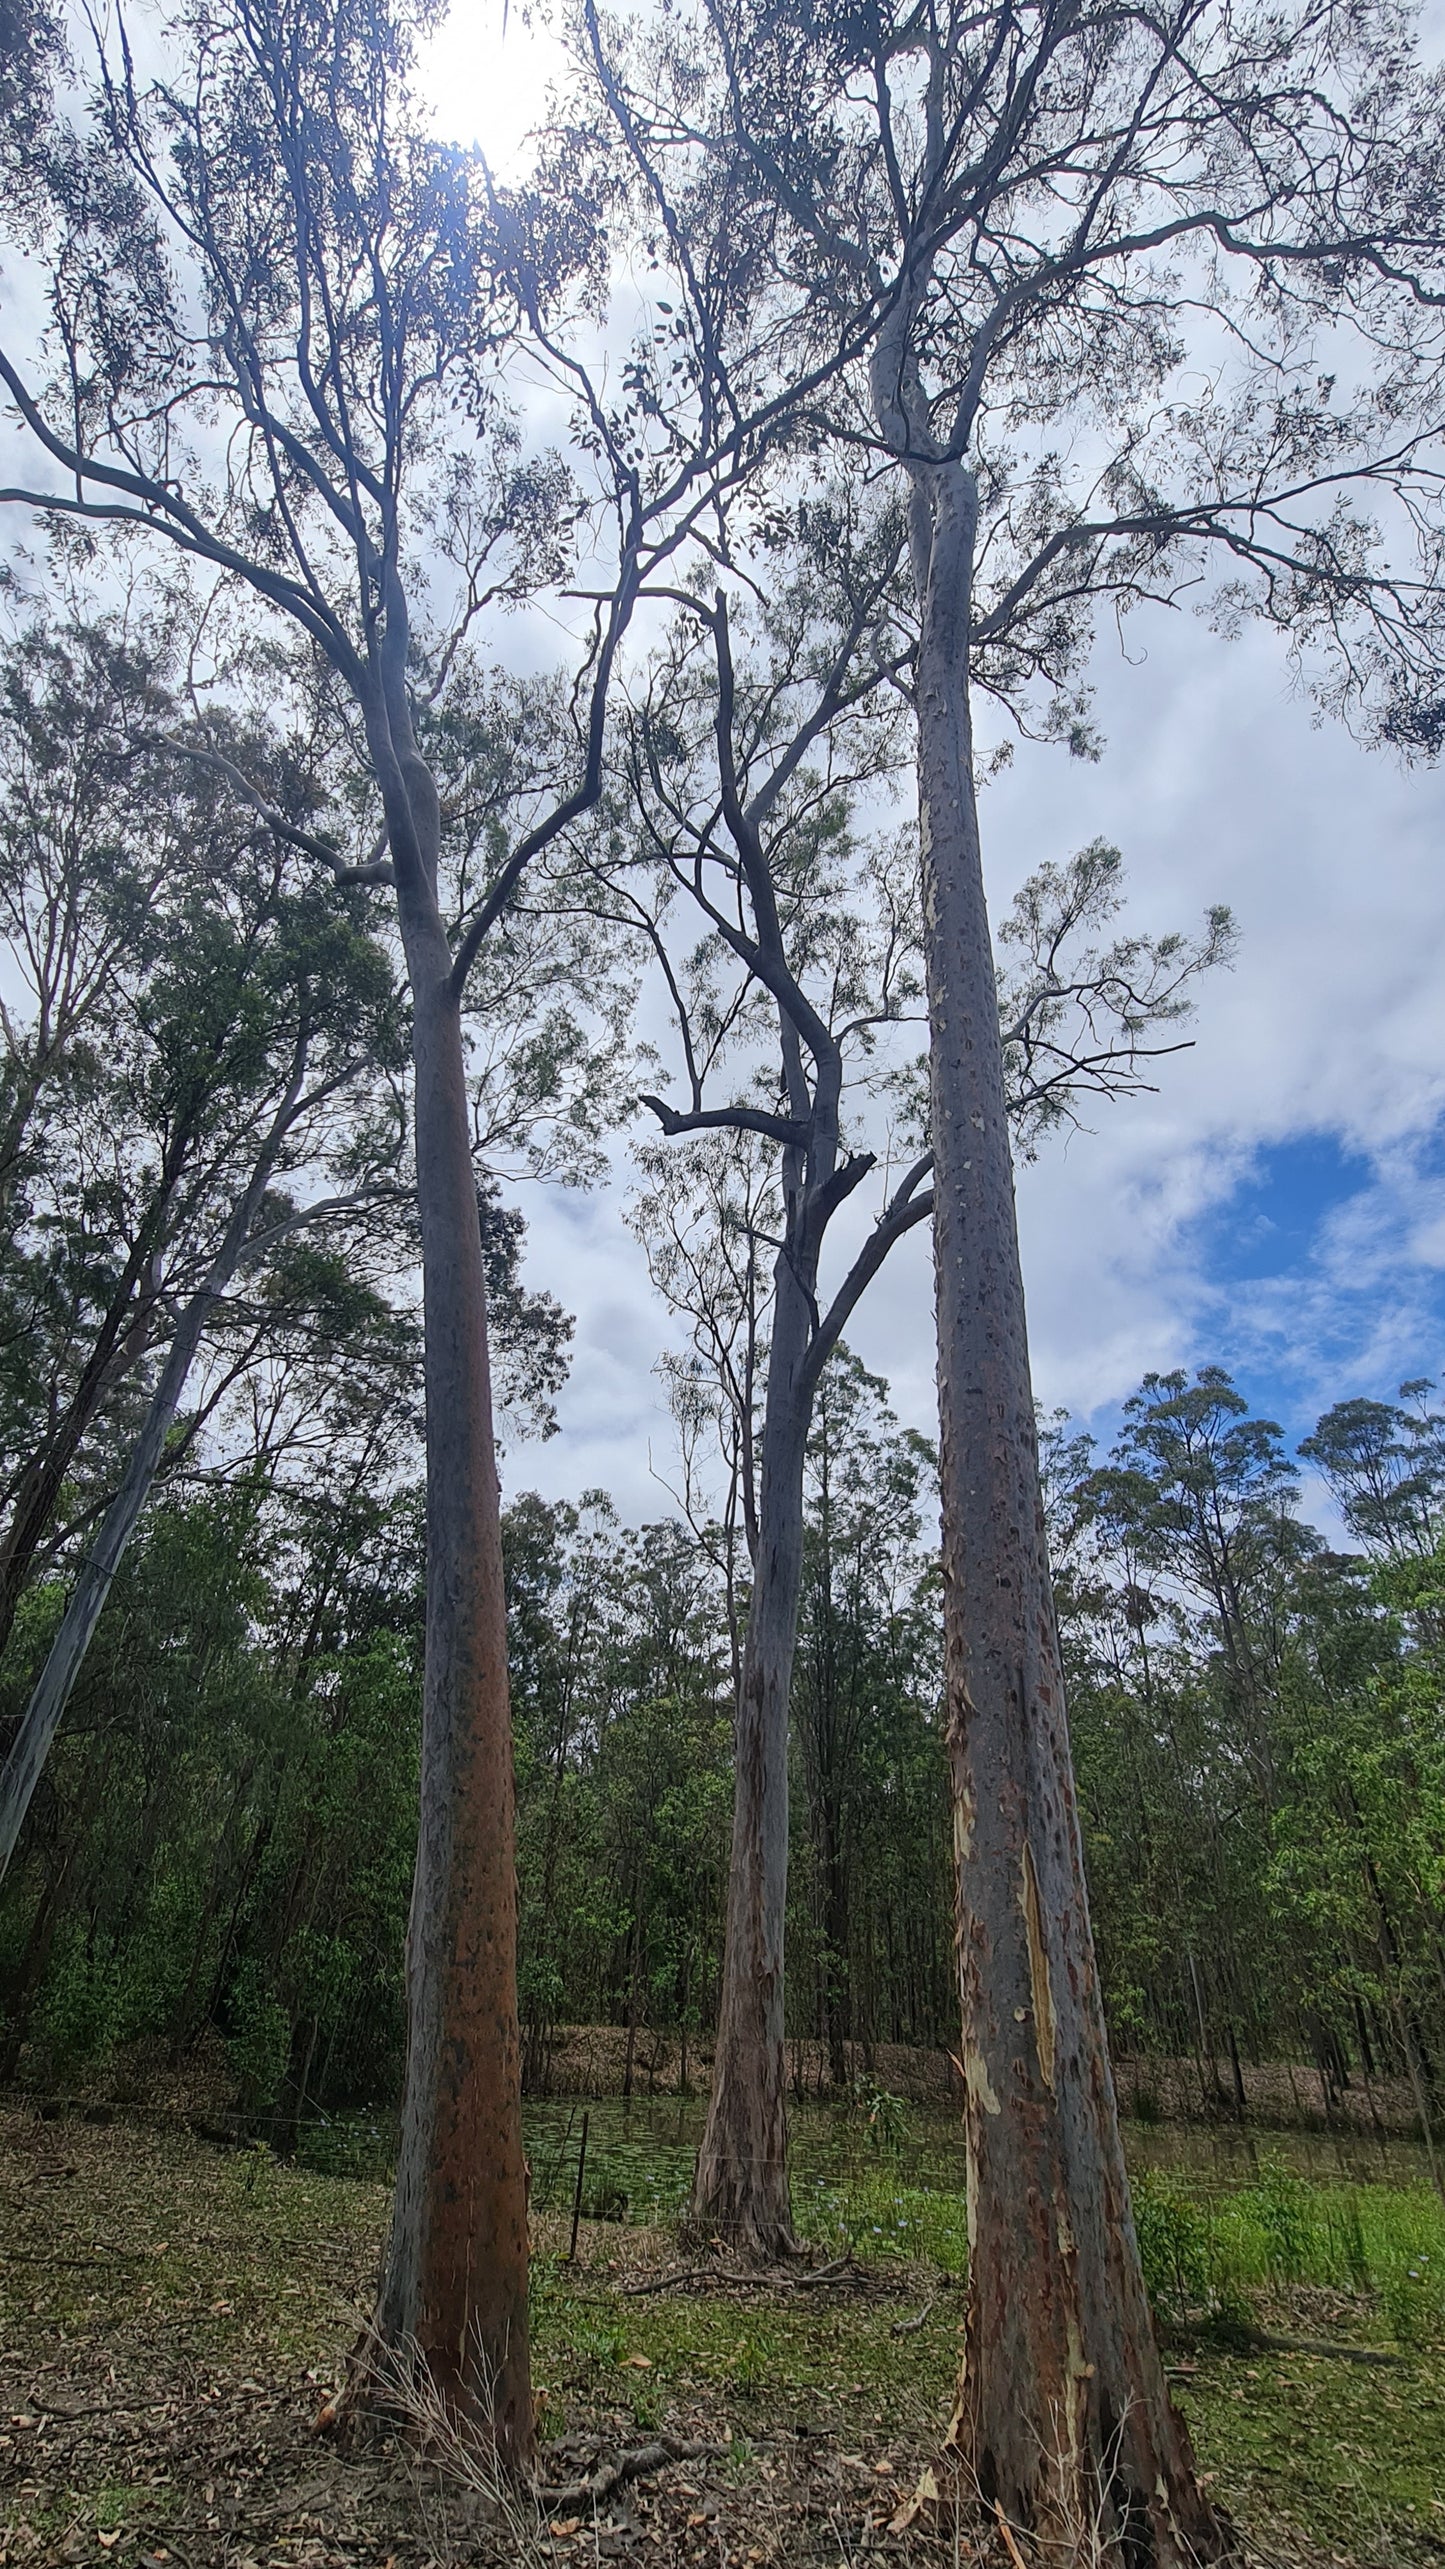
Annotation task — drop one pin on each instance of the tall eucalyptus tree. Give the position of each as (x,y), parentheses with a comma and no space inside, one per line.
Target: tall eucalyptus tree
(752,781)
(1036,222)
(276,309)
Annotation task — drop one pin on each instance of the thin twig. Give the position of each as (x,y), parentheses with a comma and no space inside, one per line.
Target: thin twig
(105,2408)
(909,2327)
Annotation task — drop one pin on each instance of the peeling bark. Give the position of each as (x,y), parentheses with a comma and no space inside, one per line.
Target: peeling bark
(1063,2418)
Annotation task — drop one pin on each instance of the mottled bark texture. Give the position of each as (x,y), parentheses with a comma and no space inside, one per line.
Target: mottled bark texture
(1063,2418)
(453,2293)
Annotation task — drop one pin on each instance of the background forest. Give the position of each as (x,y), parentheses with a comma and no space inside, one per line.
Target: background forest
(222,1845)
(501,677)
(220,1848)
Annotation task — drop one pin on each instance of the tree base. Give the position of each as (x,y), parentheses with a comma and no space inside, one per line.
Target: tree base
(752,2241)
(1080,2533)
(451,2419)
(743,2211)
(741,2195)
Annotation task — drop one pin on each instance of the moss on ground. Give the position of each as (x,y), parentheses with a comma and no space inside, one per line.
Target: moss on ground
(1316,2452)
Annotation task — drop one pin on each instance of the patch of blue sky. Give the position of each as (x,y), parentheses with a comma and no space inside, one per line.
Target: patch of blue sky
(1323,1272)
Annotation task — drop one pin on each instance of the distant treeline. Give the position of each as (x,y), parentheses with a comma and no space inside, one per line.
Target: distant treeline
(223,1839)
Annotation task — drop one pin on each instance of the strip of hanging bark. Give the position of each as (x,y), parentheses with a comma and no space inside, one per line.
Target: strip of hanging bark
(1006,2529)
(628,2466)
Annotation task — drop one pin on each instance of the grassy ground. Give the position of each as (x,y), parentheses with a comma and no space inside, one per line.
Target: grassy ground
(172,2314)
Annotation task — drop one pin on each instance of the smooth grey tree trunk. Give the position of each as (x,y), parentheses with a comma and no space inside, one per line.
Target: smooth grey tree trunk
(1063,2418)
(46,1709)
(119,1342)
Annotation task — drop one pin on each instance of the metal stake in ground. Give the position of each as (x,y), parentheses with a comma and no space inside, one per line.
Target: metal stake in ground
(577,2197)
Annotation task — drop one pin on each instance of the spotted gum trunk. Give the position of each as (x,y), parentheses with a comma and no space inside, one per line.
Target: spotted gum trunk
(1062,2418)
(453,2294)
(740,2187)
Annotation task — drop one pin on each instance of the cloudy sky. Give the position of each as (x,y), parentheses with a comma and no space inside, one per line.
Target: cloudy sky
(1279,1206)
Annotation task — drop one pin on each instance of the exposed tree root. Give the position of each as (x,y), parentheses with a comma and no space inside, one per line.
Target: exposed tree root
(771,2278)
(634,2465)
(676,2276)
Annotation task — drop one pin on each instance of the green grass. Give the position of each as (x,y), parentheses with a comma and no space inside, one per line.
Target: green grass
(1347,2458)
(1381,2246)
(878,2215)
(1206,2249)
(228,2271)
(811,2362)
(1337,2459)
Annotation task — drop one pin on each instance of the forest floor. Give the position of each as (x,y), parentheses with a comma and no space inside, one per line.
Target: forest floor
(172,2316)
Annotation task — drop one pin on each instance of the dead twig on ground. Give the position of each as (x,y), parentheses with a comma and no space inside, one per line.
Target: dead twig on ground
(635,2465)
(105,2408)
(909,2327)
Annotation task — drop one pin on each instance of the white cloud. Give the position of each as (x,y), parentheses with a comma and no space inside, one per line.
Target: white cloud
(1217,785)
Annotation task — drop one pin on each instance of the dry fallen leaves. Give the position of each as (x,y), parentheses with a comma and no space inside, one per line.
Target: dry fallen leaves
(925,2495)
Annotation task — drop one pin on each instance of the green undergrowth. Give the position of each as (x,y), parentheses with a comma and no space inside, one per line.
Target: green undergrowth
(159,2258)
(881,2216)
(1380,2248)
(1328,2459)
(1309,2449)
(792,2360)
